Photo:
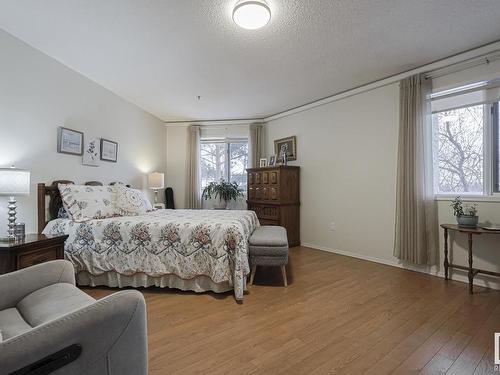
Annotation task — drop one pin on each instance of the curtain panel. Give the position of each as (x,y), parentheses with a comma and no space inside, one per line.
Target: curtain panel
(193,198)
(416,231)
(256,143)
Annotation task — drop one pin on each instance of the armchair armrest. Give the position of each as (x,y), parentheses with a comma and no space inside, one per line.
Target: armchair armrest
(112,333)
(16,285)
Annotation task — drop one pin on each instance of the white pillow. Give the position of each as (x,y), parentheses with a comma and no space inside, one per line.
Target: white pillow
(84,203)
(131,202)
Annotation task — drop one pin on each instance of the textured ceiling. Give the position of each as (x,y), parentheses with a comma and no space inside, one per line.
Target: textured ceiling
(162,54)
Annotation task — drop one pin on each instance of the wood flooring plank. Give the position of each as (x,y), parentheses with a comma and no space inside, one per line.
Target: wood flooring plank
(339,315)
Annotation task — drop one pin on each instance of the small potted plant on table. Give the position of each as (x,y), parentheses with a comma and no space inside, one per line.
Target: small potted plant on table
(466,216)
(225,191)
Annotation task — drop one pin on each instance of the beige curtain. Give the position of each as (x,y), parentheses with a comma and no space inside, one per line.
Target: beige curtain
(256,143)
(416,234)
(193,198)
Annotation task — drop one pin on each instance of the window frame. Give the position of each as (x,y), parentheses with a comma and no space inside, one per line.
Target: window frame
(495,157)
(491,162)
(227,144)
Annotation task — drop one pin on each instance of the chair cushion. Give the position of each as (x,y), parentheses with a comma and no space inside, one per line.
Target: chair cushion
(51,302)
(268,261)
(268,251)
(269,235)
(12,323)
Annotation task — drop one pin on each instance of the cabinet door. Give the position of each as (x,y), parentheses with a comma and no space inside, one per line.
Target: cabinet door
(265,192)
(250,177)
(257,177)
(251,193)
(265,177)
(273,193)
(274,177)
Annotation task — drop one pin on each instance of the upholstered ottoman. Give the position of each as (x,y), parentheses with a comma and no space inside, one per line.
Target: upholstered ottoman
(268,246)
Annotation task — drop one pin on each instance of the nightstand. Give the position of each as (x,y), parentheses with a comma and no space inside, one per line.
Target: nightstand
(33,249)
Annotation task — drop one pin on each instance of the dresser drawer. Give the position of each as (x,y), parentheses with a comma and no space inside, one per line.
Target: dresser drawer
(36,257)
(265,212)
(268,222)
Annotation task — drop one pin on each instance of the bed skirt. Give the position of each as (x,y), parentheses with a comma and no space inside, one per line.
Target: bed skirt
(198,284)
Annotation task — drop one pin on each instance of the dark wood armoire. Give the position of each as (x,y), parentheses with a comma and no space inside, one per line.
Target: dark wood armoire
(274,195)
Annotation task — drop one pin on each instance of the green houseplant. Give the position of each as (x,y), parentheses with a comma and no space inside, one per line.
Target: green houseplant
(225,191)
(466,215)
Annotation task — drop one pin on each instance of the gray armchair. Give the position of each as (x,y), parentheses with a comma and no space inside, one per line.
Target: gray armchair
(49,326)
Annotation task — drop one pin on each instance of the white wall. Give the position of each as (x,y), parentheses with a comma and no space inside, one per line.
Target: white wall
(38,94)
(347,151)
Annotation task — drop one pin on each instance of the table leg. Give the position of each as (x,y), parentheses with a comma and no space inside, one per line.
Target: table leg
(471,271)
(446,263)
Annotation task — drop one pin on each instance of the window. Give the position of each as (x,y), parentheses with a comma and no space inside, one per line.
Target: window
(226,159)
(466,140)
(460,151)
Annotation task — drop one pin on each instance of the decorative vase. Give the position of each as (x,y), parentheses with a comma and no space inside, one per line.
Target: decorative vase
(220,204)
(467,221)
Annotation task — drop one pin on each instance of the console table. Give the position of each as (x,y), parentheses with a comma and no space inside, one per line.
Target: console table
(471,232)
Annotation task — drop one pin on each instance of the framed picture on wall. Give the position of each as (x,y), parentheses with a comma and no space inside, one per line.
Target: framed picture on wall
(69,141)
(109,150)
(91,152)
(286,147)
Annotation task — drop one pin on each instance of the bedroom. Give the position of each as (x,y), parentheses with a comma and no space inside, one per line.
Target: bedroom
(180,88)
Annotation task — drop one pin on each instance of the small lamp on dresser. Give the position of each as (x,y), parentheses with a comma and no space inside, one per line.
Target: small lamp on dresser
(13,182)
(156,182)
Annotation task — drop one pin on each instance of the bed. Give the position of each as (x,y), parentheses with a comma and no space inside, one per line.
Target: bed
(198,250)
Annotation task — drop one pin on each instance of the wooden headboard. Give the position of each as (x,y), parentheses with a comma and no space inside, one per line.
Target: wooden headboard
(55,200)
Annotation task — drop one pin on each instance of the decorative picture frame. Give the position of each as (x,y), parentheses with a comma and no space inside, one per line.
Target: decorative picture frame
(69,141)
(272,160)
(288,145)
(263,162)
(91,152)
(109,150)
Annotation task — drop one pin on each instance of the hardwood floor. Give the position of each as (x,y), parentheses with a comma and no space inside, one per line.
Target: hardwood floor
(339,315)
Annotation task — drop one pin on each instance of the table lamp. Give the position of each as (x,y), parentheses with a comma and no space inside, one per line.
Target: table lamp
(156,182)
(13,182)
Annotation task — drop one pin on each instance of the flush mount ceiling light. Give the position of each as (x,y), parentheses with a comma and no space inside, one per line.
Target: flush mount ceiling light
(251,14)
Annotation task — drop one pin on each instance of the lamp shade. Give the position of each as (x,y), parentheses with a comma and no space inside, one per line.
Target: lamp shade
(14,182)
(155,180)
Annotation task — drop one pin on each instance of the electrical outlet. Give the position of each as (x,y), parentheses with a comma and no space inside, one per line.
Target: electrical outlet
(332,226)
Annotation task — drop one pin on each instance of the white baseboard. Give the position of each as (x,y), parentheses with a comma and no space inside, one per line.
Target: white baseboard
(457,275)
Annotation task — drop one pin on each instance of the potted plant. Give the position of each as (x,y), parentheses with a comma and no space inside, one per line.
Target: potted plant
(466,216)
(225,191)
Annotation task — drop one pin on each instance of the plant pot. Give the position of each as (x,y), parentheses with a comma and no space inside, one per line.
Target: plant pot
(467,221)
(220,204)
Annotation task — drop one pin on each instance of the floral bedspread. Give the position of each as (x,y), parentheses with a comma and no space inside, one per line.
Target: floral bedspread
(186,243)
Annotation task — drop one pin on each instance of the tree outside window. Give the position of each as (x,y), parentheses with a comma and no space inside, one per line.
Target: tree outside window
(227,159)
(459,150)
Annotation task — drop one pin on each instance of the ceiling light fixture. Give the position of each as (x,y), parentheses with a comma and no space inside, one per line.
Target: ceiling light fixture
(251,14)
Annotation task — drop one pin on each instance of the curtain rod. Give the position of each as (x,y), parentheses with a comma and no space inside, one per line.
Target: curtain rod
(464,65)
